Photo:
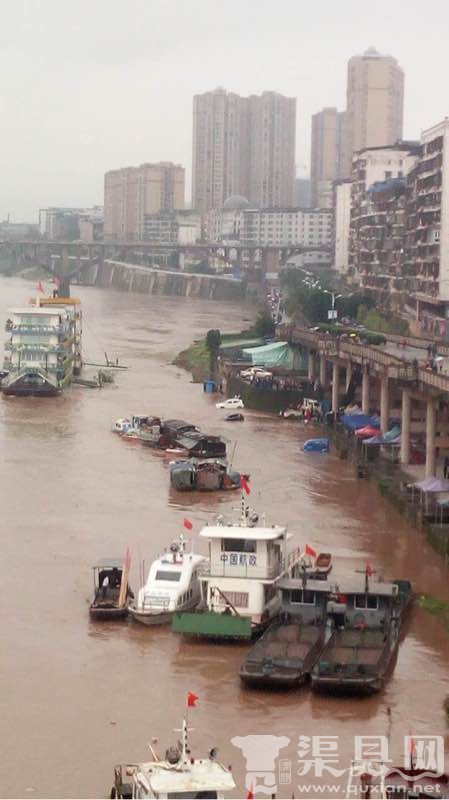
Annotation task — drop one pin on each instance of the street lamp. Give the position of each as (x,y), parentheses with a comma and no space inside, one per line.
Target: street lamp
(332,313)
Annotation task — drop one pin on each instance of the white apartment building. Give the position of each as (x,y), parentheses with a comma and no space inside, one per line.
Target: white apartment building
(281,227)
(342,195)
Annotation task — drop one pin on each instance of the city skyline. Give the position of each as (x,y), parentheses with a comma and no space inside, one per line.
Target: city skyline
(72,95)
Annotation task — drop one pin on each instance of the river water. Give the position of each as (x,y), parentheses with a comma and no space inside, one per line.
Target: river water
(78,697)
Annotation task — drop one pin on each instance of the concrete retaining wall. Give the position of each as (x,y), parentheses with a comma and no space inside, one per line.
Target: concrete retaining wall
(134,278)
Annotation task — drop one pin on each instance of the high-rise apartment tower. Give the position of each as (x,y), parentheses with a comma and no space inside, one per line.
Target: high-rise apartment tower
(375,100)
(243,146)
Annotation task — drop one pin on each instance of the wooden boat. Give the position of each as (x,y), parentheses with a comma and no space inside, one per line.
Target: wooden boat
(366,616)
(321,568)
(285,654)
(112,592)
(314,568)
(204,476)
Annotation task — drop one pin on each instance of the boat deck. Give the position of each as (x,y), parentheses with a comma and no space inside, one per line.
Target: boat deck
(351,647)
(291,641)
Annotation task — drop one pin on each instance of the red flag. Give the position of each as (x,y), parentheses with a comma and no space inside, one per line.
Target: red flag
(310,551)
(187,524)
(56,281)
(40,287)
(191,699)
(369,570)
(245,485)
(250,795)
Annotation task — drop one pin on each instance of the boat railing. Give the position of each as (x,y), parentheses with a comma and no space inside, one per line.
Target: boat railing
(24,328)
(151,600)
(293,558)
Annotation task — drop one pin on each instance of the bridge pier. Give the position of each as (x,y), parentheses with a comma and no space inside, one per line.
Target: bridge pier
(311,366)
(405,426)
(430,437)
(335,387)
(323,374)
(384,404)
(365,390)
(348,375)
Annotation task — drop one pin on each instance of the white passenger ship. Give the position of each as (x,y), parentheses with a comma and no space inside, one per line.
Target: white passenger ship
(173,584)
(178,775)
(239,585)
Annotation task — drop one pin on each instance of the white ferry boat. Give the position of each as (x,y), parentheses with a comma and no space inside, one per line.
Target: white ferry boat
(173,584)
(239,584)
(43,346)
(178,775)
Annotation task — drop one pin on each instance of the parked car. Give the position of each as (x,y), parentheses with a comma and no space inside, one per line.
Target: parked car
(231,403)
(255,372)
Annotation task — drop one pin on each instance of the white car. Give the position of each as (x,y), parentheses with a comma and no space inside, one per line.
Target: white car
(255,372)
(230,403)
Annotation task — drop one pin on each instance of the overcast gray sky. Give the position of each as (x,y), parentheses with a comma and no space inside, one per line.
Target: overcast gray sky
(92,85)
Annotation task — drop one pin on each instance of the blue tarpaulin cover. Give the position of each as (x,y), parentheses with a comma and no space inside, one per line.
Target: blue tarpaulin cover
(356,421)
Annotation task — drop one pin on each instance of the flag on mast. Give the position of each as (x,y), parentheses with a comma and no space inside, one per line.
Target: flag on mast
(245,485)
(187,524)
(40,287)
(250,794)
(310,551)
(191,699)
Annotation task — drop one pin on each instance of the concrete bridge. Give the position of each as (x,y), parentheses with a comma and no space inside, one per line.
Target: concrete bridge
(391,384)
(64,258)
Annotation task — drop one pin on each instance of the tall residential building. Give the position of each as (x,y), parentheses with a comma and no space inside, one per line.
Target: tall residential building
(427,243)
(342,210)
(379,218)
(133,193)
(375,100)
(272,133)
(329,158)
(302,193)
(243,146)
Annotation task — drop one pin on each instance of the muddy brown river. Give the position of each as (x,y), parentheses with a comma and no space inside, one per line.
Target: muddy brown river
(78,697)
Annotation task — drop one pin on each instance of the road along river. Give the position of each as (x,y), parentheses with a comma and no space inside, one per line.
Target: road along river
(78,697)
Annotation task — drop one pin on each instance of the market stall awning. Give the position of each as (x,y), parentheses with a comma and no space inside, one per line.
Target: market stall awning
(432,484)
(356,421)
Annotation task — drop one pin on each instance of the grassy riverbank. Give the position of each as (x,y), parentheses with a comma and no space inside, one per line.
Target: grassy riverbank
(195,359)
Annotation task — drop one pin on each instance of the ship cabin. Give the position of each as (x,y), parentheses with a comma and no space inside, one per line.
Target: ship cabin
(359,603)
(201,445)
(245,564)
(304,601)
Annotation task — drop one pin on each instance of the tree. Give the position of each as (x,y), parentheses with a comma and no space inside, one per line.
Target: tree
(264,324)
(213,342)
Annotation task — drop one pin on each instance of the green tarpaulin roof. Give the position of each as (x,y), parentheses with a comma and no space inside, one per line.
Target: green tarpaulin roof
(275,354)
